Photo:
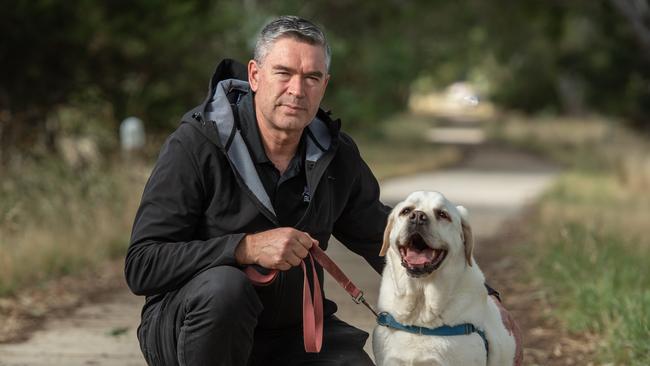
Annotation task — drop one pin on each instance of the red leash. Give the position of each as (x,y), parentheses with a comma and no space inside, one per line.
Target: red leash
(312,311)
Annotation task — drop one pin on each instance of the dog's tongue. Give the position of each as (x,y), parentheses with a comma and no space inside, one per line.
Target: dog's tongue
(417,257)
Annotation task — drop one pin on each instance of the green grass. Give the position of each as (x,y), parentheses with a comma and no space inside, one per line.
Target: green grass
(588,238)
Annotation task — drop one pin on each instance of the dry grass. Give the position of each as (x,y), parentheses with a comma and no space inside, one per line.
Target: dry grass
(56,220)
(388,160)
(566,131)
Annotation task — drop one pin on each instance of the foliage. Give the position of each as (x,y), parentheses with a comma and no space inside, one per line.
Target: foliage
(153,59)
(128,53)
(571,57)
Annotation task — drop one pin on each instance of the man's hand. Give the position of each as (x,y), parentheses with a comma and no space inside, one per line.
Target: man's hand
(280,248)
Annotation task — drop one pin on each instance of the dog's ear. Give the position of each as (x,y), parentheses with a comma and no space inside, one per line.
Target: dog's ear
(468,237)
(389,228)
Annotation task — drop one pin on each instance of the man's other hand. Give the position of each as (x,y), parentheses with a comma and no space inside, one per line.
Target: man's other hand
(280,248)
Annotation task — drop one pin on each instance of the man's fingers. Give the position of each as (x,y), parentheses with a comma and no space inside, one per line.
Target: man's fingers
(293,260)
(282,248)
(300,251)
(283,266)
(306,240)
(313,241)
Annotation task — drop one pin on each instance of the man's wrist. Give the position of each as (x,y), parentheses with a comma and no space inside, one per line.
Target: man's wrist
(242,251)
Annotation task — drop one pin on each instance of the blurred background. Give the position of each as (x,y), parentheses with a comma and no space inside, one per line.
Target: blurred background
(566,80)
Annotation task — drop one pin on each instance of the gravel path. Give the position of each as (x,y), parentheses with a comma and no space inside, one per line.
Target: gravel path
(494,184)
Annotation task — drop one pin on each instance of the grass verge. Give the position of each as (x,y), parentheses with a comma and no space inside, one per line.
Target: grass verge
(56,220)
(588,238)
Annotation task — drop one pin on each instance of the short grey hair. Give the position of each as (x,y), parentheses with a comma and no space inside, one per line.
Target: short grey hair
(294,27)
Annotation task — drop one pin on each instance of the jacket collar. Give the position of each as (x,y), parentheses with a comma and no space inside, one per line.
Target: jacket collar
(250,129)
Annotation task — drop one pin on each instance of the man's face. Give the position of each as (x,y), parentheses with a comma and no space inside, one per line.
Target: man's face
(289,84)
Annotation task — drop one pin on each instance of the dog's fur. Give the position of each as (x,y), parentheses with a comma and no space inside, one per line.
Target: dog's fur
(451,294)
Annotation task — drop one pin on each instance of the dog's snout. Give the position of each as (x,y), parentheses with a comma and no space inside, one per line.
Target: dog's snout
(418,218)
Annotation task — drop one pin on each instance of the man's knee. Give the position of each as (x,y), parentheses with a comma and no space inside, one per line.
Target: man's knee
(223,292)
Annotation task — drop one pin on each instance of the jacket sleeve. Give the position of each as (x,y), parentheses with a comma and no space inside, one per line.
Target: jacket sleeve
(361,225)
(163,253)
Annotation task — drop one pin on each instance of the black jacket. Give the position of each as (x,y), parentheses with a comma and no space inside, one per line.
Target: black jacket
(203,197)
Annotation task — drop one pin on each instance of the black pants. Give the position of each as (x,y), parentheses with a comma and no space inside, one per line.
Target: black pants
(212,321)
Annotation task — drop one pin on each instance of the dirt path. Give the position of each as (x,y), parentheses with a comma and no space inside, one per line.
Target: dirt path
(494,184)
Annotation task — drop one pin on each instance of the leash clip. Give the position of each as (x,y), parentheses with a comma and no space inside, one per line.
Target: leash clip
(359,299)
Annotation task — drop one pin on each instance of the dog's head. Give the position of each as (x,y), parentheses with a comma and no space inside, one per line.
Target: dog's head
(425,231)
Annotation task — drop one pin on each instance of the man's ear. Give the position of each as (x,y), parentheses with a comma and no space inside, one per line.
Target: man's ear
(468,237)
(327,80)
(253,74)
(386,244)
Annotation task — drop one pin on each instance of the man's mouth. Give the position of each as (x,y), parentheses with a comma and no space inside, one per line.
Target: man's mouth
(293,107)
(418,258)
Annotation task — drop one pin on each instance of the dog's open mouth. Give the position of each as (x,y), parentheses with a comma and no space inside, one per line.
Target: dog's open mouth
(418,258)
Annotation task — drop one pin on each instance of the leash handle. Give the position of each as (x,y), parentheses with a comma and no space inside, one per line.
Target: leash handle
(312,310)
(259,279)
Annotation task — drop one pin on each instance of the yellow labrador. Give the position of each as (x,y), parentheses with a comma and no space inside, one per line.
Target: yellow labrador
(434,307)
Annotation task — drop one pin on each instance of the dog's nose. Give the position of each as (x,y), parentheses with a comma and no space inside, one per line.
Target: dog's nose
(418,218)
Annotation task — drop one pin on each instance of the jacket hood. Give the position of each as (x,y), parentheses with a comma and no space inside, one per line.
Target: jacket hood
(227,69)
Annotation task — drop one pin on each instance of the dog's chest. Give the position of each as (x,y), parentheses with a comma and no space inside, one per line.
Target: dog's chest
(413,349)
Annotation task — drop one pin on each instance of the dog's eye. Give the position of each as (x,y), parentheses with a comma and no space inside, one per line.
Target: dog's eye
(405,211)
(443,215)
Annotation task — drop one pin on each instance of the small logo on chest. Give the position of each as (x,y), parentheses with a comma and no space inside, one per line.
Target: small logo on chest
(306,196)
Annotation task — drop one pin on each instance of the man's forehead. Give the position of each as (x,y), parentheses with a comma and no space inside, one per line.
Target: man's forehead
(285,48)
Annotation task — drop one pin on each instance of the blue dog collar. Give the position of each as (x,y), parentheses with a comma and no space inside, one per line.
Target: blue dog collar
(387,320)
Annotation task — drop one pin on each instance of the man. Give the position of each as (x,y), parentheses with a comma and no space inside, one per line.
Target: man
(255,175)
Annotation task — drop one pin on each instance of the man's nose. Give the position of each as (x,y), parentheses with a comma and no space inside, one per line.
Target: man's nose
(295,87)
(418,218)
